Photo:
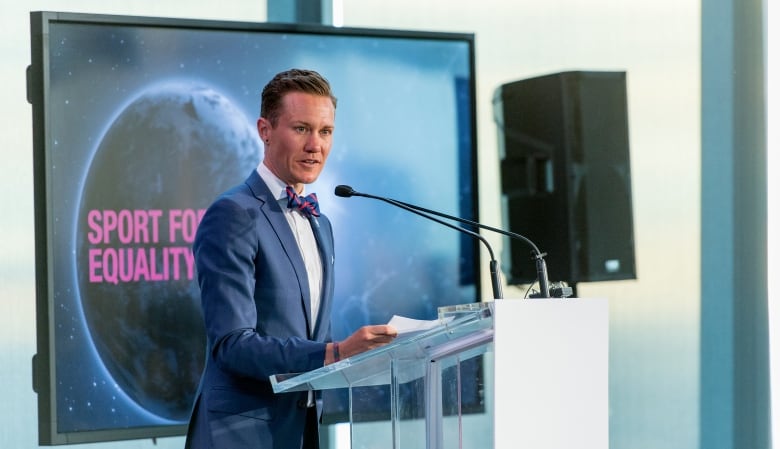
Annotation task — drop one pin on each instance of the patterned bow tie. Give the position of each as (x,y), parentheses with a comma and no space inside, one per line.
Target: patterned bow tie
(307,205)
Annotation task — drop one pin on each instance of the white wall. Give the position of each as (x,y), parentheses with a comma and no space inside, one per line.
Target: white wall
(654,320)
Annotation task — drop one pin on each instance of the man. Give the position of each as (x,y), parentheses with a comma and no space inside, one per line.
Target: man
(264,256)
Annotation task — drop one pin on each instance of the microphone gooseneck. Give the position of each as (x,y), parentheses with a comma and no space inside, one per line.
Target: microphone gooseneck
(347,191)
(538,256)
(541,274)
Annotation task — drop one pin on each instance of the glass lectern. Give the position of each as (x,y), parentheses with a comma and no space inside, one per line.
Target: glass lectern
(542,371)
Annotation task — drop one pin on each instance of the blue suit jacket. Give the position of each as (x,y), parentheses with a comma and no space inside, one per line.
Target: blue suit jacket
(256,306)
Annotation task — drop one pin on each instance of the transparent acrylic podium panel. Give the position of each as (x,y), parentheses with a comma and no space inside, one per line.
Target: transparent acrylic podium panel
(422,391)
(460,418)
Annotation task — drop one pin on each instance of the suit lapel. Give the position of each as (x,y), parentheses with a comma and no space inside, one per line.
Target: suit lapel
(269,206)
(324,245)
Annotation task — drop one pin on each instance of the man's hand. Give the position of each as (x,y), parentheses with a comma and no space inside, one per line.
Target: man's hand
(364,339)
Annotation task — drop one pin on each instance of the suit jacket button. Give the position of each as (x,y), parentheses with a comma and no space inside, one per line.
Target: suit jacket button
(302,403)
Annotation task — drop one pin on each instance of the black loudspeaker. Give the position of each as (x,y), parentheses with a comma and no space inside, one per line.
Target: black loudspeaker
(565,176)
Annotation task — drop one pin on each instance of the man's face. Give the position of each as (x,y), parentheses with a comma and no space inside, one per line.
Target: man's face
(296,149)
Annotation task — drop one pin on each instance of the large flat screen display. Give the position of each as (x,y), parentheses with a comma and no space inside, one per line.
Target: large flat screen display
(139,123)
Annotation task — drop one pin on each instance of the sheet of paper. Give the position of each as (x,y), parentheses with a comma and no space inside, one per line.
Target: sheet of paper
(406,325)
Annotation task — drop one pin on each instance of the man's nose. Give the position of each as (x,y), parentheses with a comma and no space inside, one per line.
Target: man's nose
(314,143)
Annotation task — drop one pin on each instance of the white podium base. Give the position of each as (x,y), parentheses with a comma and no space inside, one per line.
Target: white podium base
(551,374)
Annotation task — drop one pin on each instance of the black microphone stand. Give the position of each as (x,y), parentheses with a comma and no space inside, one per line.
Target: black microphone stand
(538,256)
(495,279)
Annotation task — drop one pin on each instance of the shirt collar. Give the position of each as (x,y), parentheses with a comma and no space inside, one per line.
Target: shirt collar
(274,183)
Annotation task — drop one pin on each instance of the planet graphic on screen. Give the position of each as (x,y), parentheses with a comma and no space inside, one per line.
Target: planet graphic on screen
(161,162)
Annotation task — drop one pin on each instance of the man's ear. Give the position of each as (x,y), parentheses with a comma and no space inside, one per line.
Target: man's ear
(263,128)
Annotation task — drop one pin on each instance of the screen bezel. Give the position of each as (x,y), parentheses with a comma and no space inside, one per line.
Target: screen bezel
(38,82)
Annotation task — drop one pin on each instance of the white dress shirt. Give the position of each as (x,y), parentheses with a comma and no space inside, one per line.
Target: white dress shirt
(301,228)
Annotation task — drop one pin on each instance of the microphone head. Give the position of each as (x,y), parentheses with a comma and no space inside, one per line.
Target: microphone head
(344,191)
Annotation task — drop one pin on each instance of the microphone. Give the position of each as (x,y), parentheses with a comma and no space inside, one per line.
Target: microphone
(538,256)
(495,280)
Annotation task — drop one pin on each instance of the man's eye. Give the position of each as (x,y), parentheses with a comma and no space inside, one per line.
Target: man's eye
(326,132)
(300,129)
